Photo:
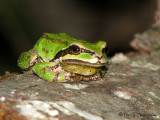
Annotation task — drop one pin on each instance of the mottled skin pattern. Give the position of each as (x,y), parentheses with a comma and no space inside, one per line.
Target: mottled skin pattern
(61,58)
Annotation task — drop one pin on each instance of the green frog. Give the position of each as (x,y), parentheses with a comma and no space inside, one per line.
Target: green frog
(61,58)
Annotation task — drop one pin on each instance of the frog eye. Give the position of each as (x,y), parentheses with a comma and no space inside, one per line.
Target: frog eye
(105,50)
(75,49)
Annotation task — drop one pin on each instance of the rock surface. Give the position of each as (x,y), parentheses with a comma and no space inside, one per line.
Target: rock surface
(129,91)
(147,41)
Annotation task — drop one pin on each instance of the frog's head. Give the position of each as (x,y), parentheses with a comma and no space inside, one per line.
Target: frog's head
(82,55)
(87,54)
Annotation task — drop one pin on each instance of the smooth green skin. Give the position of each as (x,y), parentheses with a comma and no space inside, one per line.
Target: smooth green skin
(40,58)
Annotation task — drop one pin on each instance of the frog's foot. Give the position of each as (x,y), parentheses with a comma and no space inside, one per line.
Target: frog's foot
(76,77)
(43,70)
(50,71)
(27,59)
(72,77)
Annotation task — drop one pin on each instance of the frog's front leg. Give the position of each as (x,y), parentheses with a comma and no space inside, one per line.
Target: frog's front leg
(27,59)
(49,71)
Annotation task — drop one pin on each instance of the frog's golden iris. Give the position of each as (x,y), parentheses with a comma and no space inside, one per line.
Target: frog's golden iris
(75,49)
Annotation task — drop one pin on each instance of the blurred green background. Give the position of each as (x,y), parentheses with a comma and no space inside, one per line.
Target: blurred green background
(22,22)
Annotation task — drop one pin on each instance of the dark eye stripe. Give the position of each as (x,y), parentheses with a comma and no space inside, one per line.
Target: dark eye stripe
(68,51)
(85,51)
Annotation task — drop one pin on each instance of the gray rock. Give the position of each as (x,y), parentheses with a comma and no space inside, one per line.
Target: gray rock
(129,90)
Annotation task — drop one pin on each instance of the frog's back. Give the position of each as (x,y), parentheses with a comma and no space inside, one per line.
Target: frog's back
(50,44)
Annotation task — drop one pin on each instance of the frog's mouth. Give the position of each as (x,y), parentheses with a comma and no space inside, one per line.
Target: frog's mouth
(81,67)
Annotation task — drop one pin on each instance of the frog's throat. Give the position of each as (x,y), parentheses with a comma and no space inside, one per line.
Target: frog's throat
(82,68)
